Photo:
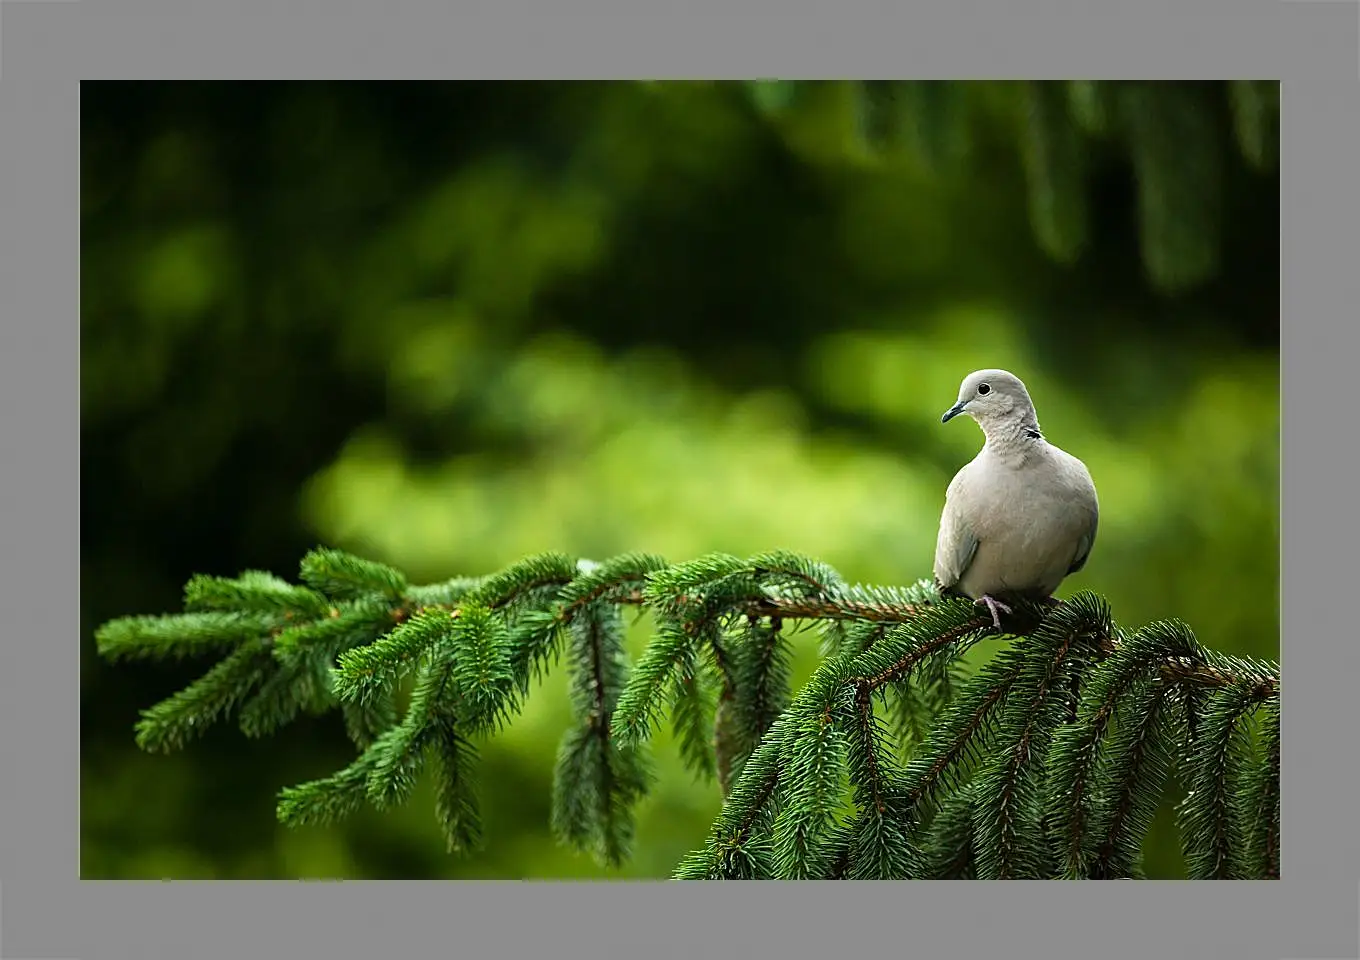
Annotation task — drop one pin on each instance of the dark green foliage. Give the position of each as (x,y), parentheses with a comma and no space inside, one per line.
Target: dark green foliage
(1262,782)
(893,761)
(1214,815)
(738,845)
(875,103)
(915,705)
(481,665)
(528,582)
(1173,134)
(693,713)
(959,736)
(365,721)
(288,691)
(532,641)
(947,849)
(368,671)
(253,590)
(598,781)
(759,663)
(328,799)
(1072,790)
(594,789)
(183,635)
(347,624)
(1009,812)
(1256,120)
(173,722)
(343,576)
(773,96)
(692,666)
(444,594)
(400,752)
(305,655)
(1091,105)
(934,122)
(1177,152)
(813,757)
(455,800)
(1129,784)
(665,661)
(1051,150)
(879,848)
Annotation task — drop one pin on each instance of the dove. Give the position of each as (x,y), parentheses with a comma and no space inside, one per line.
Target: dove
(1022,515)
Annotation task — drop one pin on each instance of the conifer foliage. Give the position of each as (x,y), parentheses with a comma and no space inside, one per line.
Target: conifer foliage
(1177,137)
(893,761)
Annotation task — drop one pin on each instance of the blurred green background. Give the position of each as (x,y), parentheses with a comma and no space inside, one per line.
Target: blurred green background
(449,325)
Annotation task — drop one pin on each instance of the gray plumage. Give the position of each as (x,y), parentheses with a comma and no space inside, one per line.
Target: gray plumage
(1022,515)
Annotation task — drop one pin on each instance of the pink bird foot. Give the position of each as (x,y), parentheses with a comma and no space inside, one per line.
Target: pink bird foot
(992,607)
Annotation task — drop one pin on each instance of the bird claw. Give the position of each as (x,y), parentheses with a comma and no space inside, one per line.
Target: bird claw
(992,607)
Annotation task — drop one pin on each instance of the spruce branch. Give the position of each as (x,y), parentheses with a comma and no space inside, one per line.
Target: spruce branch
(597,780)
(758,694)
(368,671)
(1076,746)
(662,665)
(400,752)
(899,652)
(527,583)
(1129,784)
(479,666)
(895,759)
(349,623)
(914,704)
(694,713)
(281,697)
(961,733)
(456,805)
(446,594)
(738,846)
(1009,811)
(949,844)
(254,591)
(1262,782)
(328,799)
(344,576)
(837,637)
(813,757)
(185,635)
(880,847)
(174,721)
(364,722)
(1211,817)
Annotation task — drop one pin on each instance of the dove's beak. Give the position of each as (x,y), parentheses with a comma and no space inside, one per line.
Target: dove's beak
(953,412)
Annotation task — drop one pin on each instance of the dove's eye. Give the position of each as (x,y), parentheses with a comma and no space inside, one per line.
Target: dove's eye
(984,389)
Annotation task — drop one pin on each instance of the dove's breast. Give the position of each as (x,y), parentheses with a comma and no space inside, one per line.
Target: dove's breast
(1030,524)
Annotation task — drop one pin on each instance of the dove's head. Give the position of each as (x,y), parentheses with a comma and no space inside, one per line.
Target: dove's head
(993,398)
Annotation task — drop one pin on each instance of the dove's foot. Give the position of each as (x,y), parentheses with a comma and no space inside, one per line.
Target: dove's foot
(992,607)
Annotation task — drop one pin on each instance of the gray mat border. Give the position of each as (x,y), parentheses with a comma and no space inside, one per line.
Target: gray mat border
(49,47)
